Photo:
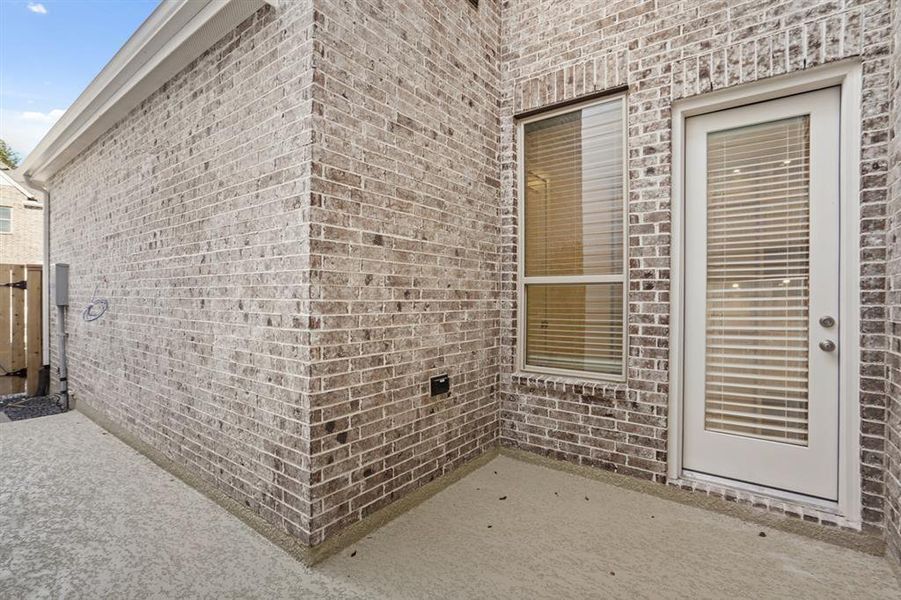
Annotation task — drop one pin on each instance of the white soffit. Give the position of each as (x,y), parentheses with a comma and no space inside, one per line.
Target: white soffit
(177,32)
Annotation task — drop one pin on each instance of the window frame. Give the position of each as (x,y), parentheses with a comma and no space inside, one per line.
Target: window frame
(10,209)
(522,280)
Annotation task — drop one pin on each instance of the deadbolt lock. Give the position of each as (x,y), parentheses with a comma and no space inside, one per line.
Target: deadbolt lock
(827,321)
(827,346)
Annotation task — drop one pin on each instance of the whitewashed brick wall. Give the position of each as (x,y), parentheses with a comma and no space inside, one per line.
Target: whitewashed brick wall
(191,216)
(664,50)
(893,419)
(405,254)
(318,215)
(25,245)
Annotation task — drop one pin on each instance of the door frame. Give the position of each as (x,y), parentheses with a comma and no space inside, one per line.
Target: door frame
(846,74)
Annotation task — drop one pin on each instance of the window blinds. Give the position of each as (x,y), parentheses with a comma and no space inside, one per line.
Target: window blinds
(575,327)
(573,234)
(757,281)
(574,196)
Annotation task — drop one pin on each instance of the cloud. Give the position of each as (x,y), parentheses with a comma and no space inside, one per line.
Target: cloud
(39,117)
(24,129)
(37,7)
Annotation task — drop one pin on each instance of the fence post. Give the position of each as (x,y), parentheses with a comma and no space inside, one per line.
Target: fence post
(17,362)
(34,329)
(6,340)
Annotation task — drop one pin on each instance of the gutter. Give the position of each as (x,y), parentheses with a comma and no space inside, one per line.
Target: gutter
(62,368)
(176,33)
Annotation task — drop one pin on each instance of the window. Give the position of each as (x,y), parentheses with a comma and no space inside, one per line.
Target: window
(572,280)
(6,219)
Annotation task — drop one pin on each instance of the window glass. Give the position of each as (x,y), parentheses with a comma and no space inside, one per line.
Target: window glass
(6,219)
(573,233)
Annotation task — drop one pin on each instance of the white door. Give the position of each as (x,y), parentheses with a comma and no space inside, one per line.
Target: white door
(761,401)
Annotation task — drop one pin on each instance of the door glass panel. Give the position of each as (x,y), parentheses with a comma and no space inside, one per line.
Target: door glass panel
(758,234)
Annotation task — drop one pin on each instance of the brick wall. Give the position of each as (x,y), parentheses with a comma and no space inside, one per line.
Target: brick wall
(287,265)
(25,245)
(191,217)
(893,420)
(405,248)
(666,50)
(318,215)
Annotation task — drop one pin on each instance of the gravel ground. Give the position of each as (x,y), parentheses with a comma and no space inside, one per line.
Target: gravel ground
(18,407)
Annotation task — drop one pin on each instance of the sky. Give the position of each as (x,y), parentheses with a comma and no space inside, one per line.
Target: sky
(50,50)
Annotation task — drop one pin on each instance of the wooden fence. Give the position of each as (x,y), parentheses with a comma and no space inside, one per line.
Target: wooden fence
(20,328)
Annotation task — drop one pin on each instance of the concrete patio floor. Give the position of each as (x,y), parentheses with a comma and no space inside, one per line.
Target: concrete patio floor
(82,515)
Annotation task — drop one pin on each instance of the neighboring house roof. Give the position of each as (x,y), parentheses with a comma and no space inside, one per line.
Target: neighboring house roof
(6,179)
(173,35)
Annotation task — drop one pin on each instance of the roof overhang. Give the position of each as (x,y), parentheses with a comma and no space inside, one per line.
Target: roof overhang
(177,32)
(6,175)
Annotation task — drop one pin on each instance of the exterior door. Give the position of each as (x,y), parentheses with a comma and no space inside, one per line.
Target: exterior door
(761,395)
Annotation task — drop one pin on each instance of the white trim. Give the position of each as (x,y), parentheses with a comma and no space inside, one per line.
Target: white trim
(847,74)
(564,279)
(799,500)
(522,280)
(10,219)
(849,378)
(173,35)
(45,278)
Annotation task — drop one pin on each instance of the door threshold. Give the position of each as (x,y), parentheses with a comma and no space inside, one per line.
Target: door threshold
(794,498)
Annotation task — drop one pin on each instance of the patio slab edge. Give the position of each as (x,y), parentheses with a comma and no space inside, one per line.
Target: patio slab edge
(861,541)
(865,542)
(301,552)
(286,542)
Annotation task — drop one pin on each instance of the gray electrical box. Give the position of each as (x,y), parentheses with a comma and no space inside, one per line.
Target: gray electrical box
(59,284)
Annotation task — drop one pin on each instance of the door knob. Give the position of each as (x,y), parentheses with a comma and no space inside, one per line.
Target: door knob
(827,321)
(827,346)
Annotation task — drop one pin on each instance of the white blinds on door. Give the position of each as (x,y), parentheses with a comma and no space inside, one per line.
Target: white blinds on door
(757,281)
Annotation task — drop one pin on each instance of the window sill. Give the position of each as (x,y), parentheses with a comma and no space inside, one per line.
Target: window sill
(573,385)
